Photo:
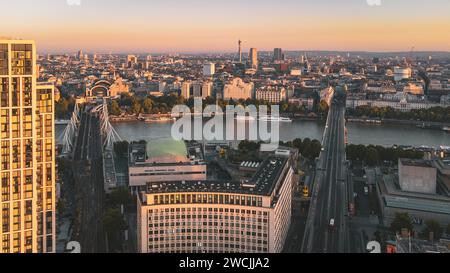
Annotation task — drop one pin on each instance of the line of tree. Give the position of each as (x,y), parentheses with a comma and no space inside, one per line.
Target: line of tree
(435,114)
(113,221)
(306,147)
(162,105)
(404,221)
(373,155)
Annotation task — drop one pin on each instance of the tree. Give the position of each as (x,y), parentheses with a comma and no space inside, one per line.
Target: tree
(136,108)
(114,108)
(120,196)
(323,107)
(433,226)
(297,143)
(372,156)
(314,149)
(401,220)
(113,221)
(147,105)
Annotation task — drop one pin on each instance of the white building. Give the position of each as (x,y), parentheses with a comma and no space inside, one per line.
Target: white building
(238,89)
(251,216)
(271,94)
(209,69)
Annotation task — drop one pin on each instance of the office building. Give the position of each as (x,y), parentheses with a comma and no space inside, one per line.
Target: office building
(249,216)
(238,89)
(253,56)
(278,55)
(27,159)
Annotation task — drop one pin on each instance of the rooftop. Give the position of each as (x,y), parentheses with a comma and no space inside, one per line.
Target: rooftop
(416,163)
(262,183)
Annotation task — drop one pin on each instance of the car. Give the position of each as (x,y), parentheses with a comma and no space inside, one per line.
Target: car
(332,224)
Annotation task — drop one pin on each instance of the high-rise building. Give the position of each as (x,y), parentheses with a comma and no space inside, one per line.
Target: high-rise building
(80,55)
(27,162)
(249,216)
(278,55)
(253,58)
(209,69)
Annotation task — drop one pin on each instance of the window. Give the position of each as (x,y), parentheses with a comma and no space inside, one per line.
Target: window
(3,59)
(22,59)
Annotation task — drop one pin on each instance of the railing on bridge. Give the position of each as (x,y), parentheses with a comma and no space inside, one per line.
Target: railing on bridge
(110,136)
(67,137)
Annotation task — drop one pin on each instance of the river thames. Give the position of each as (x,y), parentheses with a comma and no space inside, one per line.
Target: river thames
(358,133)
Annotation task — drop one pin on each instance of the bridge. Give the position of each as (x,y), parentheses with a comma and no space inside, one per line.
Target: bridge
(326,228)
(77,126)
(88,141)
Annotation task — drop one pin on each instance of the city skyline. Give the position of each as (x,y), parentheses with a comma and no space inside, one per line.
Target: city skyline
(199,26)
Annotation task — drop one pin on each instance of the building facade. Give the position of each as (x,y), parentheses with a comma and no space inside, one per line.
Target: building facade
(218,216)
(272,95)
(238,89)
(27,153)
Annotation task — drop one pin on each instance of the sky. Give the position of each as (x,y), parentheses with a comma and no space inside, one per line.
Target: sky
(169,26)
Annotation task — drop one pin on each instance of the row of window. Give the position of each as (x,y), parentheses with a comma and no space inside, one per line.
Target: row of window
(228,199)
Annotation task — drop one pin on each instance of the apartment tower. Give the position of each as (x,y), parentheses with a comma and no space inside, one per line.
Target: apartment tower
(27,162)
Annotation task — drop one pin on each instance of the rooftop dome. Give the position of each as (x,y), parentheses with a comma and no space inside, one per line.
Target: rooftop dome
(166,150)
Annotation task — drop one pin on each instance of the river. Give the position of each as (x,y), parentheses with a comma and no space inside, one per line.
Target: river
(359,133)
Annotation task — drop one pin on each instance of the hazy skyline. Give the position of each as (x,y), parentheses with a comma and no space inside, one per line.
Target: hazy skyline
(206,25)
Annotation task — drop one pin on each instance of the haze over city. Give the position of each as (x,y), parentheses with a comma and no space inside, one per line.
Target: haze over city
(213,26)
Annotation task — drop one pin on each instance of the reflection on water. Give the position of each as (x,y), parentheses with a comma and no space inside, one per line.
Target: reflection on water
(358,133)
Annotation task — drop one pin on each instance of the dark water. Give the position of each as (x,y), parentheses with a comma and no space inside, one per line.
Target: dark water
(386,135)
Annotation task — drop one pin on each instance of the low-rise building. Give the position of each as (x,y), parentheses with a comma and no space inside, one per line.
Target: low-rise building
(164,160)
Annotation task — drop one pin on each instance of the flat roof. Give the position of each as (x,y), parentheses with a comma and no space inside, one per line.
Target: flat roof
(395,198)
(416,163)
(262,183)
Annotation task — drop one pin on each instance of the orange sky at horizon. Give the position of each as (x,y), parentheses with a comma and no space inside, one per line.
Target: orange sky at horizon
(375,31)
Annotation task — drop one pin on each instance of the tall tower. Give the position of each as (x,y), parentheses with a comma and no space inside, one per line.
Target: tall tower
(27,161)
(253,58)
(240,50)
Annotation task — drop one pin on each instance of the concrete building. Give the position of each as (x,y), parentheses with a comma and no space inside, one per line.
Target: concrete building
(253,56)
(238,89)
(443,176)
(420,206)
(271,94)
(198,89)
(209,69)
(251,216)
(165,160)
(27,162)
(417,176)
